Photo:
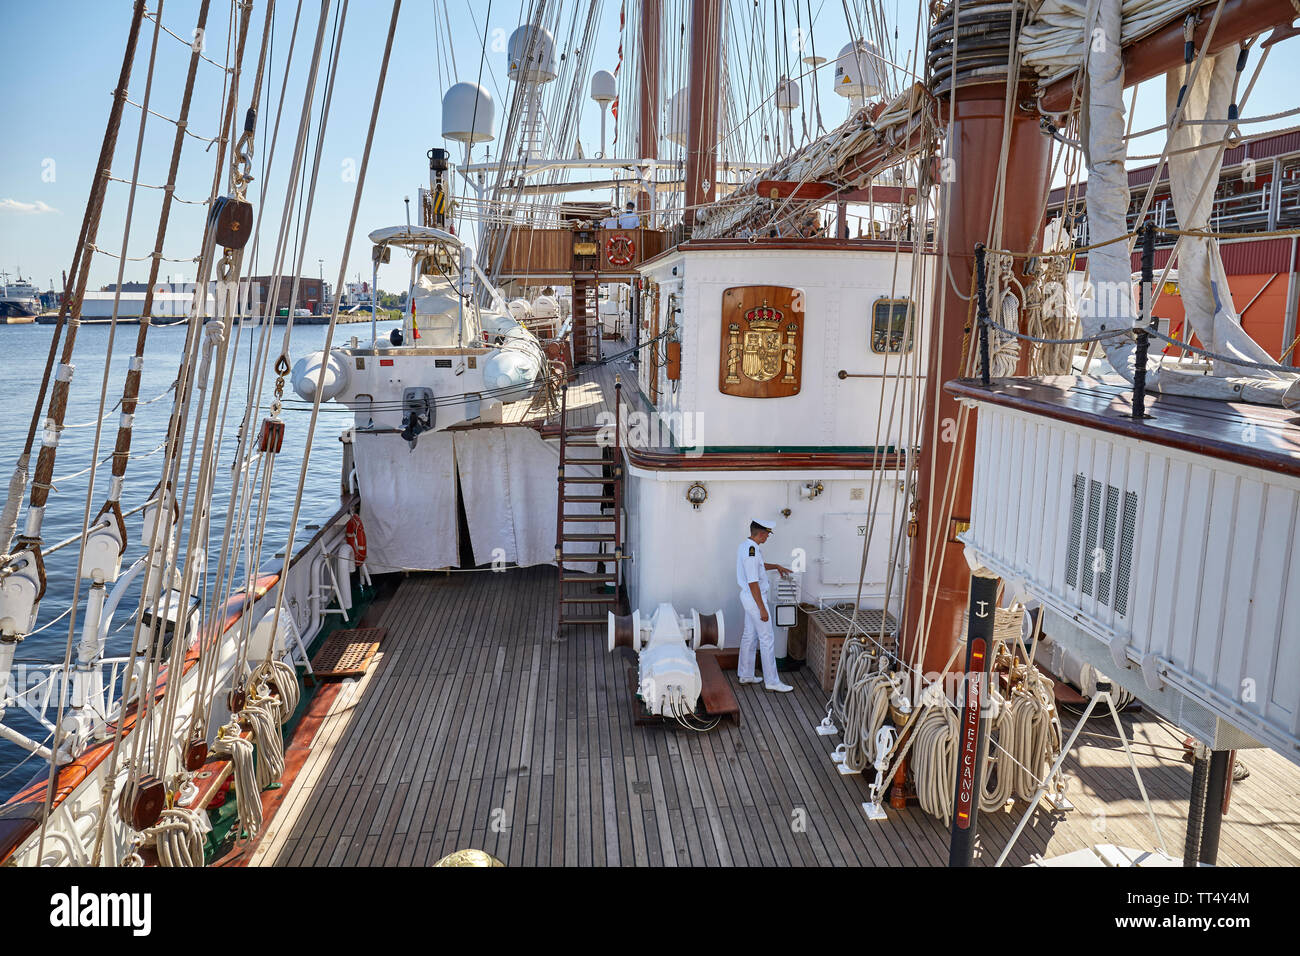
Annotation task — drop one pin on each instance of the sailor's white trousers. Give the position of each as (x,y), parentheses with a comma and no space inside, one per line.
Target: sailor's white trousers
(762,631)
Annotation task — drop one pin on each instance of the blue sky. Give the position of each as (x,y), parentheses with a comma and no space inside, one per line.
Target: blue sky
(63,57)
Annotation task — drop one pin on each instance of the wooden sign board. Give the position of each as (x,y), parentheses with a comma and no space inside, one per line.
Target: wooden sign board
(762,341)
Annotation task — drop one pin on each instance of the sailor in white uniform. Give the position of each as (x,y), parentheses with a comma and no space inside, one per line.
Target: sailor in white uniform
(751,576)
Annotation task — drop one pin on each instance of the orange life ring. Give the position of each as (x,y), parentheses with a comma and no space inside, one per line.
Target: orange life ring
(626,250)
(356,539)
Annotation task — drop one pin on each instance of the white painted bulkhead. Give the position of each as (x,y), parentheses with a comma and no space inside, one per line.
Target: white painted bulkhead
(840,289)
(686,556)
(1176,573)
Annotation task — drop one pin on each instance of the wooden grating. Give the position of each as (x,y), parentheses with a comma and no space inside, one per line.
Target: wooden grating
(827,629)
(347,653)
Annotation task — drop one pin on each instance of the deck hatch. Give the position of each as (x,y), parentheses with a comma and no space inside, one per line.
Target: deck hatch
(347,653)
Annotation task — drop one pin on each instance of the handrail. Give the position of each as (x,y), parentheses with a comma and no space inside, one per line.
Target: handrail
(617,474)
(559,483)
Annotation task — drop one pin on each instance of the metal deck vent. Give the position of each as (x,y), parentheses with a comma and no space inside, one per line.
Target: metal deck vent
(1099,556)
(347,653)
(1127,530)
(1076,527)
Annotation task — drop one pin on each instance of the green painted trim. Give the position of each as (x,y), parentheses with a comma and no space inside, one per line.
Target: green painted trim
(803,449)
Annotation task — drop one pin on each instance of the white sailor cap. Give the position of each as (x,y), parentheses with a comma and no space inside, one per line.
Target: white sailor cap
(768,523)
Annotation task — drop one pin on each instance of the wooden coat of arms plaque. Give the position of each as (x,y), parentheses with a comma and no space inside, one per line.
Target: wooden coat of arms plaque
(762,341)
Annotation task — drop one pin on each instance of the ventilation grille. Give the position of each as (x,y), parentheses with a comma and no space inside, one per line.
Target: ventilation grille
(1127,531)
(1076,528)
(1099,559)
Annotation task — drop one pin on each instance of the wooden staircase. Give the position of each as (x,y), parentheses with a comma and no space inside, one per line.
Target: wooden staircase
(585,597)
(585,335)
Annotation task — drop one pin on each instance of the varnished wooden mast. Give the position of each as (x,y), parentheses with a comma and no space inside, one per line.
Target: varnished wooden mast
(702,101)
(648,66)
(939,581)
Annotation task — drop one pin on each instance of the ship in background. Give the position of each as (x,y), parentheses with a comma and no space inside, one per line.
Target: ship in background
(19,300)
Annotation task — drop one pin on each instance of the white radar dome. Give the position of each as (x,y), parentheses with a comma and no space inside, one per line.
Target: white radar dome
(677,122)
(604,88)
(468,114)
(531,52)
(857,70)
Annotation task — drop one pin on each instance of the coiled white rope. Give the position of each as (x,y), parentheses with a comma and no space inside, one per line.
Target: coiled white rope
(998,778)
(934,757)
(263,715)
(1035,733)
(178,836)
(247,793)
(285,679)
(866,711)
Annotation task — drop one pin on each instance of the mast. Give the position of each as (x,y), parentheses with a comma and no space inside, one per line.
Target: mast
(939,581)
(702,99)
(648,136)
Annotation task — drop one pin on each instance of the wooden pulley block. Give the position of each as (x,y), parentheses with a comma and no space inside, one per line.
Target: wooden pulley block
(143,801)
(272,436)
(232,222)
(236,699)
(196,753)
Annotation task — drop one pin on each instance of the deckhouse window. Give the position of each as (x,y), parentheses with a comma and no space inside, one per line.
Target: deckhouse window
(893,326)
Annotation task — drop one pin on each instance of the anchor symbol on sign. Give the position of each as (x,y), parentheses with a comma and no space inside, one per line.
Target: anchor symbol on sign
(982,612)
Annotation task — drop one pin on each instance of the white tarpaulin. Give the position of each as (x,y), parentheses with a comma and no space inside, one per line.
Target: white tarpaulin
(1108,265)
(507,482)
(408,501)
(507,478)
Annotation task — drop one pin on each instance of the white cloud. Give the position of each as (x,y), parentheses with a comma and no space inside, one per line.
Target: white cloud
(37,208)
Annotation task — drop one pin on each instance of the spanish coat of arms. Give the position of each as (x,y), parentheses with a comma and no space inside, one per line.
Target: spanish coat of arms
(762,339)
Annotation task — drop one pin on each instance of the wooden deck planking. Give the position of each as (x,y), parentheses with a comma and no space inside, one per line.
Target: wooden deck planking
(473,709)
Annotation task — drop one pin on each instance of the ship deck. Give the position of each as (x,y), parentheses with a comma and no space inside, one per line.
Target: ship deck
(476,728)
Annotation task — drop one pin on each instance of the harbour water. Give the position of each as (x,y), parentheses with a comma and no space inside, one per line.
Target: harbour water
(25,348)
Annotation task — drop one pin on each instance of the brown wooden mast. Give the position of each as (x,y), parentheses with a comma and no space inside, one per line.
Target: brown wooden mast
(702,100)
(940,578)
(648,65)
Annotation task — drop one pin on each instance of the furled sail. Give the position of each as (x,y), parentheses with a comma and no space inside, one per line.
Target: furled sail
(1193,162)
(1052,39)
